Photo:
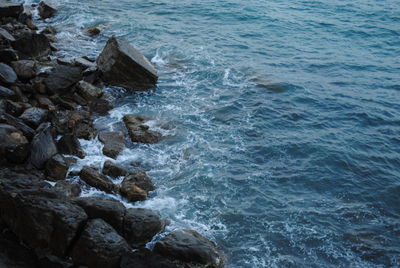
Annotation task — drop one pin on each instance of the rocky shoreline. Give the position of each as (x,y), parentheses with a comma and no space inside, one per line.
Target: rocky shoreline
(46,106)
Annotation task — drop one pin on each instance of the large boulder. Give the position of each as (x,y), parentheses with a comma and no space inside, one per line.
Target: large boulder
(10,9)
(7,74)
(46,10)
(42,146)
(135,186)
(25,69)
(138,131)
(32,45)
(141,225)
(14,147)
(99,246)
(34,116)
(69,144)
(97,180)
(56,167)
(191,247)
(122,65)
(88,91)
(61,78)
(114,143)
(144,258)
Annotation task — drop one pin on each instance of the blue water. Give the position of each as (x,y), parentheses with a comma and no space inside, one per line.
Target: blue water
(281,122)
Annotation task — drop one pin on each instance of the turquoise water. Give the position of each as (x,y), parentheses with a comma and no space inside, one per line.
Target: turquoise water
(281,122)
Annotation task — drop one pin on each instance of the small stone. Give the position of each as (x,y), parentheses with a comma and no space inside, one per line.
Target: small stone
(13,145)
(43,146)
(6,93)
(5,35)
(133,193)
(88,91)
(8,55)
(68,189)
(140,179)
(91,31)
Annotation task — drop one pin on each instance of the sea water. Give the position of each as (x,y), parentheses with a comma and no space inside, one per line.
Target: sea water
(281,122)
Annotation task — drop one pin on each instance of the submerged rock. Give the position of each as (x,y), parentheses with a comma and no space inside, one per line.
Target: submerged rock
(7,74)
(138,131)
(92,30)
(46,10)
(122,65)
(97,180)
(43,146)
(10,9)
(114,143)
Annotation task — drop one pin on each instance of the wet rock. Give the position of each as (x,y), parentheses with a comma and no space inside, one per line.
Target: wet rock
(43,146)
(122,65)
(88,91)
(133,193)
(138,131)
(69,144)
(97,180)
(91,31)
(111,211)
(102,105)
(7,74)
(84,63)
(191,247)
(27,131)
(34,116)
(113,170)
(10,9)
(6,93)
(99,246)
(7,55)
(46,10)
(144,258)
(14,147)
(141,225)
(26,15)
(56,167)
(68,189)
(79,123)
(61,78)
(5,35)
(44,102)
(14,108)
(32,45)
(25,69)
(140,179)
(114,143)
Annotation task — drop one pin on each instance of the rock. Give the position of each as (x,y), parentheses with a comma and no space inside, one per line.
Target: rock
(113,170)
(84,63)
(68,189)
(191,247)
(61,78)
(5,35)
(7,55)
(26,15)
(69,144)
(7,74)
(46,10)
(111,211)
(144,258)
(102,105)
(43,146)
(97,180)
(138,131)
(91,31)
(140,179)
(122,65)
(56,167)
(27,131)
(32,26)
(10,9)
(34,116)
(141,225)
(6,93)
(25,69)
(32,45)
(133,193)
(14,147)
(33,211)
(99,246)
(44,102)
(14,108)
(88,91)
(114,143)
(50,261)
(79,123)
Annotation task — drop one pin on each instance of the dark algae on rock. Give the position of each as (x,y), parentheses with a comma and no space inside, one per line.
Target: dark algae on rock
(47,105)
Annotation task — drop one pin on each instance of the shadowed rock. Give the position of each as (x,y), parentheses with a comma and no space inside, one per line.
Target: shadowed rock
(5,35)
(113,170)
(57,167)
(68,189)
(13,145)
(97,180)
(7,74)
(25,69)
(46,10)
(138,131)
(43,146)
(6,93)
(17,123)
(114,143)
(10,9)
(32,45)
(69,144)
(34,116)
(144,258)
(61,78)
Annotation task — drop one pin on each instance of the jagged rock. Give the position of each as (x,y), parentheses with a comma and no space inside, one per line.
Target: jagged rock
(69,144)
(88,91)
(138,131)
(14,147)
(144,258)
(99,246)
(68,189)
(14,108)
(84,63)
(141,225)
(46,10)
(79,123)
(27,131)
(7,74)
(97,180)
(25,69)
(6,93)
(44,102)
(56,167)
(111,211)
(140,179)
(114,143)
(26,15)
(10,9)
(91,31)
(133,193)
(61,78)
(43,146)
(190,247)
(34,116)
(102,105)
(113,170)
(123,65)
(7,55)
(5,35)
(32,45)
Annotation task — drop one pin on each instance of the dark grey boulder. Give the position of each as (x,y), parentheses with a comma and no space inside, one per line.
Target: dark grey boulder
(99,246)
(111,211)
(140,179)
(145,258)
(7,74)
(14,147)
(15,108)
(191,247)
(122,65)
(34,116)
(46,10)
(7,55)
(69,144)
(6,93)
(42,146)
(113,170)
(25,69)
(68,189)
(138,131)
(27,131)
(97,180)
(61,78)
(10,9)
(32,45)
(56,167)
(5,35)
(141,225)
(102,105)
(88,91)
(84,63)
(114,143)
(78,122)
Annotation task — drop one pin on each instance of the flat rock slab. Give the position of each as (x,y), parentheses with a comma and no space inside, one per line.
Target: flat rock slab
(114,143)
(10,9)
(138,131)
(123,65)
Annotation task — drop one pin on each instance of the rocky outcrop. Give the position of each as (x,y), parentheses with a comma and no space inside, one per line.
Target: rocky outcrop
(46,10)
(190,247)
(114,143)
(97,180)
(138,131)
(122,65)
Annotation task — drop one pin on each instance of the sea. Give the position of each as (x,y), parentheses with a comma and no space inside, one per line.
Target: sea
(281,122)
